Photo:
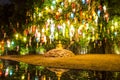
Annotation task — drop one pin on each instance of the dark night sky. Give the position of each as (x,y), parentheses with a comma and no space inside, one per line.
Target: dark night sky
(3,2)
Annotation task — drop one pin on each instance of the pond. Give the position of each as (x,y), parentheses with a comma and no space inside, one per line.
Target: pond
(11,70)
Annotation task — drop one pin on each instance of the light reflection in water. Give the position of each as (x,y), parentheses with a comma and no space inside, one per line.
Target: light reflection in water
(10,70)
(58,72)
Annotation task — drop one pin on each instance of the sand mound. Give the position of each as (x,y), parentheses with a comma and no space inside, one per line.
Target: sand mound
(59,53)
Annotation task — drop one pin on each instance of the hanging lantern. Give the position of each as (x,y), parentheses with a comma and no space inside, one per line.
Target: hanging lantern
(99,12)
(72,15)
(96,20)
(106,16)
(87,1)
(60,10)
(79,31)
(66,16)
(62,4)
(81,13)
(108,31)
(57,15)
(100,7)
(56,35)
(96,36)
(72,31)
(74,10)
(1,70)
(104,8)
(8,43)
(42,38)
(59,28)
(33,29)
(64,29)
(73,5)
(66,4)
(54,2)
(51,38)
(26,32)
(69,1)
(115,33)
(83,1)
(52,28)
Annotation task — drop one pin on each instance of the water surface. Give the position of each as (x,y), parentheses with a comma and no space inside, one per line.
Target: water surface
(11,70)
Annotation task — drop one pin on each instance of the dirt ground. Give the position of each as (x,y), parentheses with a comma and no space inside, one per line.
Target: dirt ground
(99,62)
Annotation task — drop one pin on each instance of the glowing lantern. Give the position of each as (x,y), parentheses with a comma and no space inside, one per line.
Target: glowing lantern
(24,39)
(52,7)
(56,36)
(115,33)
(8,43)
(47,9)
(53,2)
(51,38)
(80,29)
(106,17)
(16,36)
(69,1)
(99,12)
(100,7)
(40,14)
(88,1)
(72,15)
(83,1)
(64,27)
(34,15)
(48,21)
(60,10)
(68,22)
(1,65)
(72,31)
(96,20)
(62,4)
(33,28)
(36,78)
(6,72)
(23,77)
(52,29)
(57,15)
(10,72)
(12,43)
(1,72)
(26,32)
(104,8)
(73,5)
(116,24)
(0,45)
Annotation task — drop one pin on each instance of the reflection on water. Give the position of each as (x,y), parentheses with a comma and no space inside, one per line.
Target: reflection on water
(58,72)
(10,70)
